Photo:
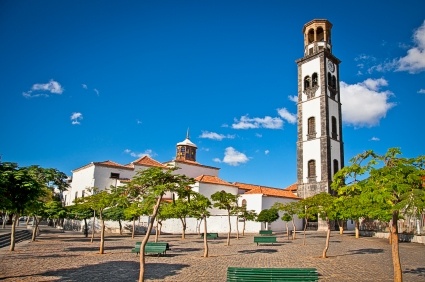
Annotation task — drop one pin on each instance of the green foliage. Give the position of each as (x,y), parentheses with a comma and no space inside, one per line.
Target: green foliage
(382,184)
(199,206)
(54,210)
(268,215)
(286,217)
(224,200)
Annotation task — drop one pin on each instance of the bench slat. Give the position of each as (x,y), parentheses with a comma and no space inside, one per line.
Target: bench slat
(271,274)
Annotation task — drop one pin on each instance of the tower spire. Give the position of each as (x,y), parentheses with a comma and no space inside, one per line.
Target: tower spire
(187,133)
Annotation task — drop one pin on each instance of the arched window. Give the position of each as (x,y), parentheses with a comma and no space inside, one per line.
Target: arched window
(311,128)
(243,203)
(329,79)
(334,132)
(310,36)
(306,82)
(334,81)
(320,35)
(336,166)
(314,79)
(311,168)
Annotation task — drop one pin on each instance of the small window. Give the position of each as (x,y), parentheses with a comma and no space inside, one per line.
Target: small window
(307,82)
(82,194)
(334,133)
(115,175)
(76,195)
(243,203)
(311,128)
(336,166)
(320,35)
(329,79)
(314,79)
(311,168)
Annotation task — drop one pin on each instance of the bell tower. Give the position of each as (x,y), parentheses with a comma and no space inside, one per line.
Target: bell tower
(186,150)
(320,149)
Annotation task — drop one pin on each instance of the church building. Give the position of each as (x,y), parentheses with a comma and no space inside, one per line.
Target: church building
(319,146)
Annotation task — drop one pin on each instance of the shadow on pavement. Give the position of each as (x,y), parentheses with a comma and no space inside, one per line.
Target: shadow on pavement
(258,251)
(420,271)
(122,271)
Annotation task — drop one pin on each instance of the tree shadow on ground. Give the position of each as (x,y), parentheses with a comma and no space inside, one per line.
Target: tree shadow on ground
(365,251)
(96,248)
(186,249)
(258,251)
(420,271)
(122,271)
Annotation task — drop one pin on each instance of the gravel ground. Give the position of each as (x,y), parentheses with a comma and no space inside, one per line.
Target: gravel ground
(71,257)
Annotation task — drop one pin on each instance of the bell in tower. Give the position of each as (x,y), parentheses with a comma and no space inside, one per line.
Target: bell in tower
(317,36)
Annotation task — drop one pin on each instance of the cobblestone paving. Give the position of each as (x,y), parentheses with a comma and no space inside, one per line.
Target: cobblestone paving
(71,257)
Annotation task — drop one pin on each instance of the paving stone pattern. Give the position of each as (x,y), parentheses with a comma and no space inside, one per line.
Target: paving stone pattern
(71,257)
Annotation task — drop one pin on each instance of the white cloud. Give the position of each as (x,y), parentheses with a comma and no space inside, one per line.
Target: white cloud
(267,122)
(258,135)
(421,91)
(266,152)
(374,139)
(291,118)
(414,61)
(138,121)
(40,89)
(96,91)
(217,160)
(233,157)
(76,118)
(364,104)
(84,86)
(147,152)
(215,136)
(293,98)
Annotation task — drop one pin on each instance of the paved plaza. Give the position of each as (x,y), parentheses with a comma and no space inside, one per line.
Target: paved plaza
(69,256)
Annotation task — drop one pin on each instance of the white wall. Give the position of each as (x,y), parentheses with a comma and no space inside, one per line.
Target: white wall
(194,170)
(208,189)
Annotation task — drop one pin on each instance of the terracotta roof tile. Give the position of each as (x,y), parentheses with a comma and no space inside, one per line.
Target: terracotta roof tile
(274,192)
(213,180)
(193,163)
(293,187)
(147,161)
(109,163)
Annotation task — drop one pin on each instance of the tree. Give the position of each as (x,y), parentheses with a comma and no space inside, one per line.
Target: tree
(54,210)
(80,212)
(392,183)
(323,204)
(115,213)
(287,217)
(20,186)
(150,185)
(267,216)
(306,211)
(225,201)
(99,202)
(199,206)
(246,215)
(290,209)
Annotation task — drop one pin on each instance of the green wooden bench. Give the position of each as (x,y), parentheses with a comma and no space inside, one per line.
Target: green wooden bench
(265,232)
(136,248)
(271,274)
(155,249)
(264,239)
(210,235)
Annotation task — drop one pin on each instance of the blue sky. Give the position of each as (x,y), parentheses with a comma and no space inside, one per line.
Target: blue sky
(85,81)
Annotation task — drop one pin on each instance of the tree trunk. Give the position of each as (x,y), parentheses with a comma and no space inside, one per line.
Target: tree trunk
(183,220)
(341,230)
(120,224)
(357,222)
(134,227)
(395,249)
(243,230)
(156,231)
(15,218)
(205,239)
(34,229)
(92,227)
(230,229)
(6,215)
(305,228)
(86,228)
(102,234)
(295,229)
(287,230)
(328,236)
(237,227)
(145,240)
